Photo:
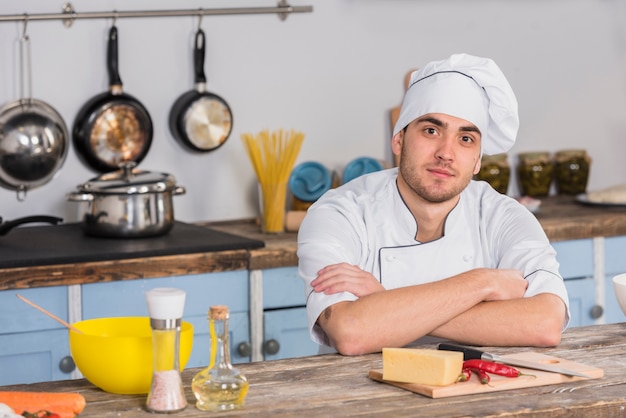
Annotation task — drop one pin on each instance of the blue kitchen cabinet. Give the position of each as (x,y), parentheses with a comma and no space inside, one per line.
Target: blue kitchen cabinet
(285,329)
(612,313)
(33,346)
(576,266)
(581,301)
(127,298)
(615,263)
(575,258)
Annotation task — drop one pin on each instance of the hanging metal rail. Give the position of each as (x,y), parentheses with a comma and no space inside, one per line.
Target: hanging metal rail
(69,15)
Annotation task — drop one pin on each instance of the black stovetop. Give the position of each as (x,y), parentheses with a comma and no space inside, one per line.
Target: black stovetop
(67,243)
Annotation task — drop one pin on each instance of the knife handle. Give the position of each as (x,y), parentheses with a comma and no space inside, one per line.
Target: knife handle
(468,352)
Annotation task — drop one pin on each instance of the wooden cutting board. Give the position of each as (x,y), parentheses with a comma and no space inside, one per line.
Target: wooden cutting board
(499,383)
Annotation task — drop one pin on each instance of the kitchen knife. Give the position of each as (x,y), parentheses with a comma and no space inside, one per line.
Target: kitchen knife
(473,353)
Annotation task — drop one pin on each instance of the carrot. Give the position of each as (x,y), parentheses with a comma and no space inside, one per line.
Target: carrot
(66,405)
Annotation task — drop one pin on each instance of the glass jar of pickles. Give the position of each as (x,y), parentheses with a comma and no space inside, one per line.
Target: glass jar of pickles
(495,170)
(571,171)
(535,172)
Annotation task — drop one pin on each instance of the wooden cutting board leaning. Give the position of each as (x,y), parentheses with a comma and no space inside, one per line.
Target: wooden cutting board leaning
(529,378)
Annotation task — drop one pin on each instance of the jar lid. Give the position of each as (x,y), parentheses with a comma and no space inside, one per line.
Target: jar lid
(360,166)
(165,303)
(309,181)
(129,180)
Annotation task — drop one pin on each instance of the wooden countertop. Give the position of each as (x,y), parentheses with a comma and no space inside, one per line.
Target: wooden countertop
(333,385)
(561,217)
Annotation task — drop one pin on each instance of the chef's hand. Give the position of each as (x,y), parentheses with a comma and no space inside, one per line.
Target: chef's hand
(504,283)
(344,277)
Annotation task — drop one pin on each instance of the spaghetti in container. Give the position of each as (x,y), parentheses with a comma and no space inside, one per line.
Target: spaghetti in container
(273,155)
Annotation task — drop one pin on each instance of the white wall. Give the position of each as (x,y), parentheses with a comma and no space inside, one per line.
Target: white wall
(332,74)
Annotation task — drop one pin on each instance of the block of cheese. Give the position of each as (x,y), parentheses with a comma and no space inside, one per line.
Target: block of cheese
(421,365)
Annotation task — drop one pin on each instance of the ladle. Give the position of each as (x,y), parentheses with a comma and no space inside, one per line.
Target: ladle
(51,315)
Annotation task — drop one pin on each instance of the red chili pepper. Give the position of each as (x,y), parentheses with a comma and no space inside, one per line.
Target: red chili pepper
(482,375)
(492,367)
(465,375)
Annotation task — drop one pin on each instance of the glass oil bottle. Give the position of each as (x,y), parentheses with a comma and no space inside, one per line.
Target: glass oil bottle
(219,387)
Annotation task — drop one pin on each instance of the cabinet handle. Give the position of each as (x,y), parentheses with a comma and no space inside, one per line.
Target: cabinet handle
(271,346)
(596,311)
(244,349)
(67,364)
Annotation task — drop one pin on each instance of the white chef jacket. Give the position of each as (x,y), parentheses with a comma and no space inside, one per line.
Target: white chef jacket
(366,223)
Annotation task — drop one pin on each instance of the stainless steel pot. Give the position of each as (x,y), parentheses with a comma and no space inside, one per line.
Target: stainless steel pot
(128,203)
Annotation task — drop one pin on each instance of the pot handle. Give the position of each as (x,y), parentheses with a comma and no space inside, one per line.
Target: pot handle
(198,57)
(179,190)
(112,60)
(80,197)
(5,227)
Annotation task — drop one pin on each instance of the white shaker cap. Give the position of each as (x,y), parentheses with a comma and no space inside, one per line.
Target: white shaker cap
(165,303)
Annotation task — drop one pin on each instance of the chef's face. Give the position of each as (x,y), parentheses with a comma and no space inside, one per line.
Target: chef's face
(439,154)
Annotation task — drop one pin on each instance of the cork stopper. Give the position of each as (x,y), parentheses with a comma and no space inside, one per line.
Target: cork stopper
(218,312)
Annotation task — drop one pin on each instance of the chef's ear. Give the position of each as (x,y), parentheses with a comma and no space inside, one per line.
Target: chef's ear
(396,143)
(478,163)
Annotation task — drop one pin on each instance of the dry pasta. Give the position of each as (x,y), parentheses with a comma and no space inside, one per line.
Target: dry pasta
(273,156)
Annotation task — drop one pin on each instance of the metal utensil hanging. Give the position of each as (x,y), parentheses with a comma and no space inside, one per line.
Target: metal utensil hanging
(33,135)
(199,119)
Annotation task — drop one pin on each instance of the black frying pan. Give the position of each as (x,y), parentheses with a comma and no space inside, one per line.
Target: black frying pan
(7,226)
(113,127)
(199,119)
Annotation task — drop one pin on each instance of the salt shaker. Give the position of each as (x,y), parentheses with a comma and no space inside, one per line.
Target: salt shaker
(165,306)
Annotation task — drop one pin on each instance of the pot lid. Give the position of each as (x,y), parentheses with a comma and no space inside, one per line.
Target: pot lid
(129,180)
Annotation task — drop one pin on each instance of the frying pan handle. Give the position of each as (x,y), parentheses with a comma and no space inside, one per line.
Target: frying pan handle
(198,57)
(112,58)
(5,227)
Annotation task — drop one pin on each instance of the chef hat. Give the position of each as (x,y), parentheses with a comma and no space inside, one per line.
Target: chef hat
(469,88)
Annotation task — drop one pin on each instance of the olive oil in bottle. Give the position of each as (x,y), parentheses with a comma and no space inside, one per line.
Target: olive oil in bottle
(219,387)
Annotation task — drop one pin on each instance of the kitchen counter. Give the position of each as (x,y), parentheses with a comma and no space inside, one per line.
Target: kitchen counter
(561,217)
(334,385)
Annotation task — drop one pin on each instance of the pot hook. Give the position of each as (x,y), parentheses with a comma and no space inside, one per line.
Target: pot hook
(200,14)
(25,45)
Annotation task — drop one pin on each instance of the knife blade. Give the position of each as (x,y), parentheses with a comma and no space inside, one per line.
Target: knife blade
(470,353)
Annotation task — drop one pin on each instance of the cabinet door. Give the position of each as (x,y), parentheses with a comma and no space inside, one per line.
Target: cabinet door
(576,267)
(127,298)
(581,301)
(30,357)
(612,312)
(575,258)
(284,318)
(282,288)
(32,345)
(615,263)
(239,339)
(287,334)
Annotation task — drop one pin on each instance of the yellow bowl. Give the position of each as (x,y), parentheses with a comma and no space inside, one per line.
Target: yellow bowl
(115,354)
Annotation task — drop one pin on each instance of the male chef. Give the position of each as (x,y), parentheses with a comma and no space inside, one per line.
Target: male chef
(422,249)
